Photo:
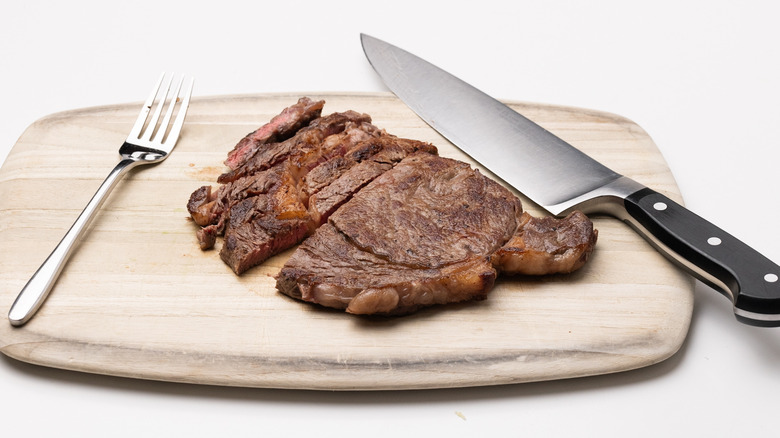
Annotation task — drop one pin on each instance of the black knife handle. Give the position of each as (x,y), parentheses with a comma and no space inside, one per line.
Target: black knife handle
(722,261)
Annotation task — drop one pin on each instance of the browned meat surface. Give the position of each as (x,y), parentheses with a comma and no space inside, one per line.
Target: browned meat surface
(265,204)
(329,269)
(280,128)
(356,169)
(429,231)
(429,212)
(201,205)
(547,245)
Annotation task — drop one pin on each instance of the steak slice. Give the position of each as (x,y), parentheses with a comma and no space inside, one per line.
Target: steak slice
(280,128)
(429,231)
(305,140)
(263,225)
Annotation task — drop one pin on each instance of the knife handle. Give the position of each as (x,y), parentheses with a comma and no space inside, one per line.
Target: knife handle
(720,260)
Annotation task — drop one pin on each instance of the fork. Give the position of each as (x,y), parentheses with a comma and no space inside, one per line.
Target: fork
(149,142)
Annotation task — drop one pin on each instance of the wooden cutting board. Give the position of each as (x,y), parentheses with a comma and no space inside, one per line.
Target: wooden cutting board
(140,299)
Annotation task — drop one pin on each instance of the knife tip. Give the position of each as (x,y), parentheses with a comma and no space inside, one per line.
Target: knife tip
(366,37)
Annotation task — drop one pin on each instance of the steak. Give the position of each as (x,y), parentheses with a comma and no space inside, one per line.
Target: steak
(387,225)
(281,127)
(431,230)
(285,184)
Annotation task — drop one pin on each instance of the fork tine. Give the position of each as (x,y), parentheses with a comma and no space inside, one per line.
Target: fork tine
(160,135)
(135,132)
(185,103)
(152,125)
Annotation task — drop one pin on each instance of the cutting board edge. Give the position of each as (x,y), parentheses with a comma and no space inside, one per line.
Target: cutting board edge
(333,375)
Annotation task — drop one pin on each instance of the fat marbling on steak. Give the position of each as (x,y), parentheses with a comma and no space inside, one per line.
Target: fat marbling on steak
(431,230)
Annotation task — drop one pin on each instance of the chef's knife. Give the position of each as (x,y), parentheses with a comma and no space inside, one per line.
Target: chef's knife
(561,178)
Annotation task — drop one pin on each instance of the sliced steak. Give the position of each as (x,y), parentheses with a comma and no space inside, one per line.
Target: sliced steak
(280,128)
(330,170)
(356,169)
(270,203)
(429,231)
(268,211)
(392,226)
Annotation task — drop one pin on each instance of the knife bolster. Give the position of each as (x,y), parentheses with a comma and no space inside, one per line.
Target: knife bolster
(607,198)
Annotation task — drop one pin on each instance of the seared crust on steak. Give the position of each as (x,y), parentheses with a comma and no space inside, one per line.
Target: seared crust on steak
(330,270)
(430,231)
(547,245)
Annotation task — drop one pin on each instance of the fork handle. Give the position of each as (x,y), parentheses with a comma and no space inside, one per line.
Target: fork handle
(40,284)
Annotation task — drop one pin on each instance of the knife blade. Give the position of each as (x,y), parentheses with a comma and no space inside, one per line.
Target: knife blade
(560,178)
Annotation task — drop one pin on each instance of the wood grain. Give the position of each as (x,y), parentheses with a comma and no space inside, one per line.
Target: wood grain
(140,299)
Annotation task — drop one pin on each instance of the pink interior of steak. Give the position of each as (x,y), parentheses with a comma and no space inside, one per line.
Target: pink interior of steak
(280,128)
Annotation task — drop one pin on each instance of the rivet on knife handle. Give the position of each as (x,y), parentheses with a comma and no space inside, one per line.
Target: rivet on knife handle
(711,254)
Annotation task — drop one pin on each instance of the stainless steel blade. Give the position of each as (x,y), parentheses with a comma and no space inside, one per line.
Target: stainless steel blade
(560,178)
(543,167)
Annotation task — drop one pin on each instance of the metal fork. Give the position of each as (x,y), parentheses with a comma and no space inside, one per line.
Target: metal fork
(149,142)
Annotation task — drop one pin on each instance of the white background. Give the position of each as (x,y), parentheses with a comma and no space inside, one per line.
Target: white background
(700,77)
